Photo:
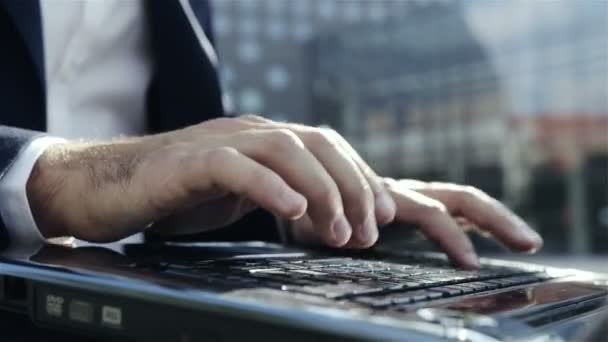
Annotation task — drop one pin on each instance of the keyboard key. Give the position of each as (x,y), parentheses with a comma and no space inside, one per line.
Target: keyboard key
(348,277)
(413,296)
(447,291)
(339,291)
(374,302)
(374,283)
(267,271)
(463,289)
(330,261)
(475,286)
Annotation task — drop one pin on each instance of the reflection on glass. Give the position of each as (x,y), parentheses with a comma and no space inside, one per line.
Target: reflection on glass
(521,299)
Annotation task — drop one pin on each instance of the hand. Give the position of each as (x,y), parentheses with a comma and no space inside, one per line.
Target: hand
(216,172)
(442,210)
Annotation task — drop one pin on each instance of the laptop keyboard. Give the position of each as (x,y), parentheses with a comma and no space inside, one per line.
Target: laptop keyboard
(376,284)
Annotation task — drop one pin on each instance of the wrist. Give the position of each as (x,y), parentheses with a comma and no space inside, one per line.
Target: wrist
(42,189)
(73,184)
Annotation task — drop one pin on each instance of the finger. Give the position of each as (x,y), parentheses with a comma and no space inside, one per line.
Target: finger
(487,214)
(228,169)
(436,224)
(357,197)
(284,152)
(354,188)
(279,146)
(385,207)
(466,225)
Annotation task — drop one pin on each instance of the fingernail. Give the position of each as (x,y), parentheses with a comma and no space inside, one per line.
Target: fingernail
(385,208)
(538,241)
(366,233)
(342,230)
(535,236)
(532,250)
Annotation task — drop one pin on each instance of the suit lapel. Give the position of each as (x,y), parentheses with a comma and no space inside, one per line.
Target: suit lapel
(186,89)
(27,18)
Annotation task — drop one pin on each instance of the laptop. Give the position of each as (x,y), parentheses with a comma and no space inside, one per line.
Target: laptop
(258,291)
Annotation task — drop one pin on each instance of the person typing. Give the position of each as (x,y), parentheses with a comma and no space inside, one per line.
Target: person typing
(113,123)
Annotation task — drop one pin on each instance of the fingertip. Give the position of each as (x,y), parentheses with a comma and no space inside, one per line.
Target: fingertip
(293,205)
(470,261)
(534,246)
(537,243)
(298,213)
(528,241)
(538,240)
(341,232)
(540,243)
(386,209)
(366,234)
(528,232)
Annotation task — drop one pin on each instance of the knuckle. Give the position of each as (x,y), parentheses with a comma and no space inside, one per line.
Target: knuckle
(330,133)
(389,183)
(472,191)
(431,209)
(253,117)
(218,156)
(472,196)
(375,180)
(284,140)
(321,137)
(218,123)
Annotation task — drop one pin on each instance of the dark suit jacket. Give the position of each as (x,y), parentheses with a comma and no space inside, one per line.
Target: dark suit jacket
(184,89)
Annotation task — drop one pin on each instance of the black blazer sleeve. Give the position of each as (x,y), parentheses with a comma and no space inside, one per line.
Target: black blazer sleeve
(12,140)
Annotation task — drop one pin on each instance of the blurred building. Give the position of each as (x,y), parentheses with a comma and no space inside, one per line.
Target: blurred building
(565,160)
(415,93)
(509,96)
(263,47)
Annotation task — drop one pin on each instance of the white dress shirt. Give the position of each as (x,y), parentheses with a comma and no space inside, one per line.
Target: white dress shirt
(98,68)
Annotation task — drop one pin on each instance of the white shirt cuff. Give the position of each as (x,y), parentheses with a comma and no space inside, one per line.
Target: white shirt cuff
(14,205)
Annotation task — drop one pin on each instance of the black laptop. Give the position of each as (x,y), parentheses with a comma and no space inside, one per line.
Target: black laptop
(257,291)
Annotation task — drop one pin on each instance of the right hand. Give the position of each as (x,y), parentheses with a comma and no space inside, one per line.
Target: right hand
(216,171)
